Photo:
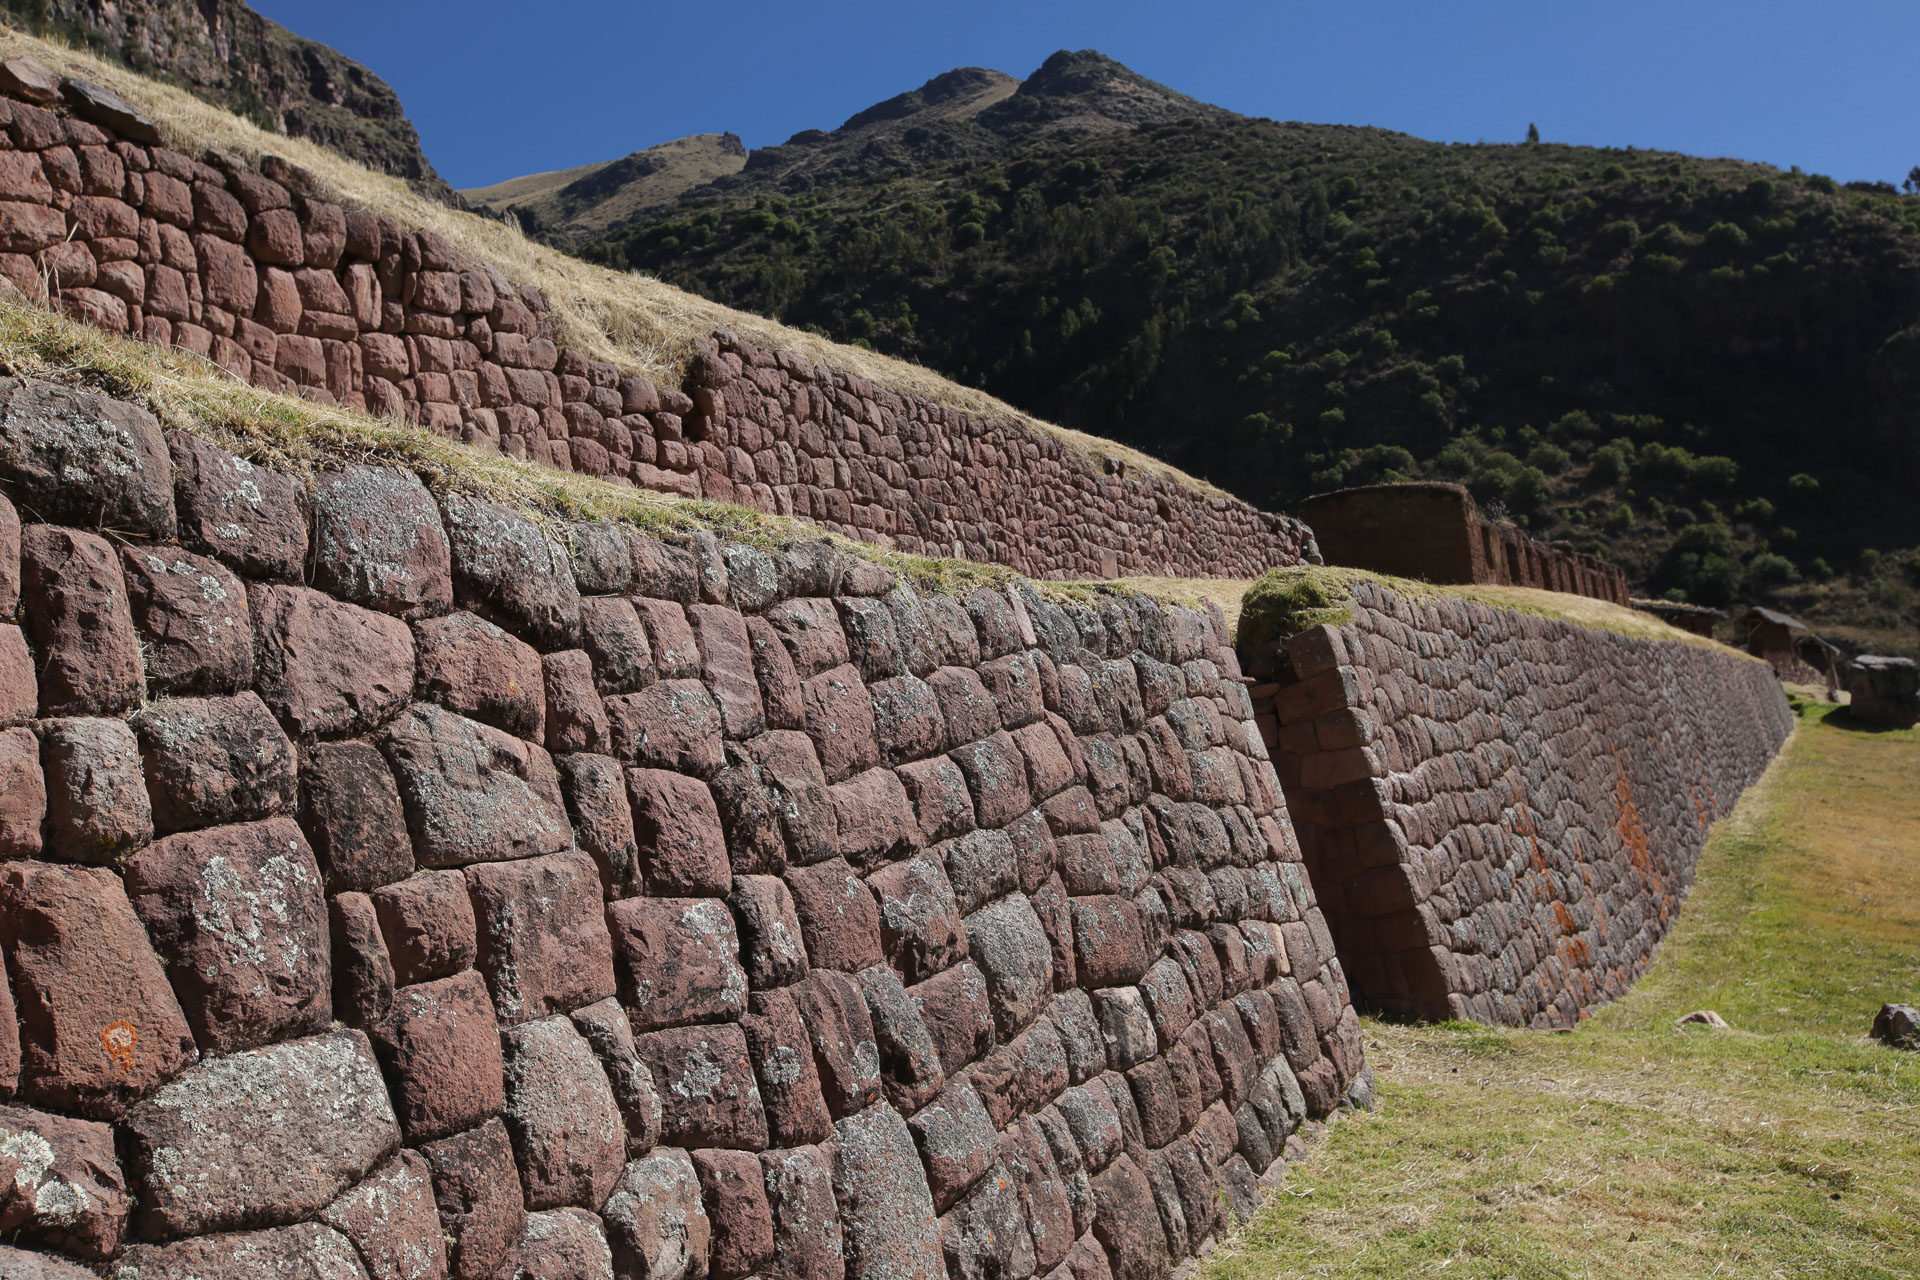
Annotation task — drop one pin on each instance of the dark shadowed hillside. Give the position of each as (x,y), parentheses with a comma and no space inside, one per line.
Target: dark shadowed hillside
(1707,370)
(224,52)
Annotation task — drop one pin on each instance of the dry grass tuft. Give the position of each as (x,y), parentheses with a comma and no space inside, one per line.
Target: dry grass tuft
(630,320)
(299,437)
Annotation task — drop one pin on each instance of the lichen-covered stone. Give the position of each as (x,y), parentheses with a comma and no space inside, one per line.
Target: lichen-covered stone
(308,1251)
(97,804)
(838,918)
(506,566)
(673,725)
(191,612)
(1012,951)
(544,946)
(958,1013)
(62,1187)
(772,947)
(595,788)
(565,1244)
(239,915)
(834,1012)
(391,1220)
(608,1031)
(886,1212)
(472,793)
(956,1140)
(709,1096)
(210,1148)
(249,518)
(378,541)
(676,960)
(919,918)
(99,463)
(656,1222)
(782,1056)
(806,1221)
(214,760)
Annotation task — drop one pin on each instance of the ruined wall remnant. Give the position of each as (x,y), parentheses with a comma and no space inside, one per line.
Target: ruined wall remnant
(1500,812)
(394,886)
(1435,533)
(288,290)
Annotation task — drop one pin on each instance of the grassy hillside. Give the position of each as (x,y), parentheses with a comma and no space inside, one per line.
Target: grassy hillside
(587,200)
(1707,370)
(1784,1146)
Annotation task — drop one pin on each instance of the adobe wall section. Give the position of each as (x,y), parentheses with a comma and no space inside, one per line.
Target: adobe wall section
(391,886)
(1435,533)
(1501,813)
(290,291)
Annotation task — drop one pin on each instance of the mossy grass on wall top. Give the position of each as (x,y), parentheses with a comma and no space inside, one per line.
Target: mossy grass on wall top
(1289,600)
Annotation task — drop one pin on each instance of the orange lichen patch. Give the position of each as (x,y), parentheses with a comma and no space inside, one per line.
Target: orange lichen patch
(1634,836)
(122,1043)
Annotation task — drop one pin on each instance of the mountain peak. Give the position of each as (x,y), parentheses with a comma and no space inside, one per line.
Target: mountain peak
(1086,90)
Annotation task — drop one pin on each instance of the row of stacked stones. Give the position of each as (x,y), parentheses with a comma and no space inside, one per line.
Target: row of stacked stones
(394,887)
(1501,813)
(289,290)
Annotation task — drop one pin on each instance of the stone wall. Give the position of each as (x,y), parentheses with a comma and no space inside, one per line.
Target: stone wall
(1435,533)
(263,274)
(392,886)
(1501,813)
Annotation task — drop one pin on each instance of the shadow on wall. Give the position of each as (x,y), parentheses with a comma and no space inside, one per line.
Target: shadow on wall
(1433,532)
(1501,812)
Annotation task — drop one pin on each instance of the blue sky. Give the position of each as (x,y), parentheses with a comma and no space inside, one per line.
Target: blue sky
(502,87)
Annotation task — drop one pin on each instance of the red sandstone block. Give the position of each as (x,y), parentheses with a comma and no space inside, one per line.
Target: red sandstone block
(996,774)
(427,924)
(677,960)
(839,719)
(970,711)
(576,717)
(834,1012)
(476,670)
(560,1112)
(441,1052)
(736,1204)
(192,615)
(350,811)
(23,794)
(875,819)
(478,1195)
(97,804)
(683,850)
(611,633)
(726,653)
(707,1073)
(674,725)
(75,602)
(214,760)
(99,1025)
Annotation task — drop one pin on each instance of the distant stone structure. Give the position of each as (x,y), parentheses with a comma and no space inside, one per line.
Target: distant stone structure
(265,275)
(1885,691)
(1790,647)
(1695,619)
(1435,533)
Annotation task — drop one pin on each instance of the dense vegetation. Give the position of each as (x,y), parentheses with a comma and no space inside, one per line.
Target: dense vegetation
(1707,370)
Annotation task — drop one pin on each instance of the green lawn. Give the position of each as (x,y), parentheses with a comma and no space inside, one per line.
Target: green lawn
(1788,1146)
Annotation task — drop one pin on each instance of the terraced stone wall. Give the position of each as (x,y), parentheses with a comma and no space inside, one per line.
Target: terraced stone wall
(392,886)
(285,288)
(1501,813)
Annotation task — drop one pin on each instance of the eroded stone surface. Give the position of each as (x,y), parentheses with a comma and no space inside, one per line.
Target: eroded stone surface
(210,1148)
(96,462)
(325,667)
(378,541)
(561,1113)
(391,1220)
(472,793)
(655,1219)
(61,1187)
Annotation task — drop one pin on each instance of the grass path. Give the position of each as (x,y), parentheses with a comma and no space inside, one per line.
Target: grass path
(1789,1146)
